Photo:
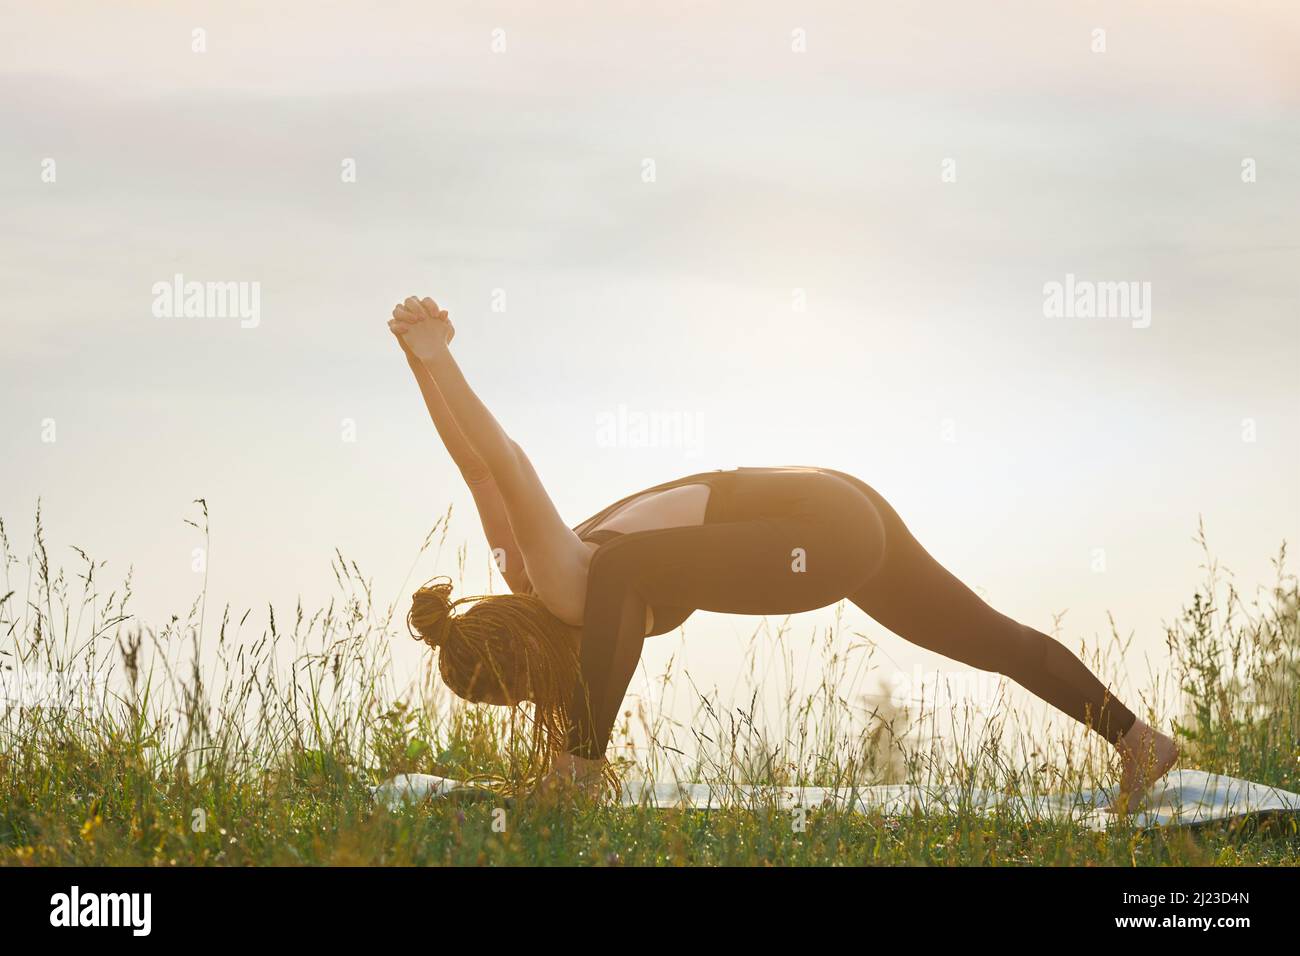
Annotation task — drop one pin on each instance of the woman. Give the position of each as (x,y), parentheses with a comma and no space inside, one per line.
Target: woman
(746,541)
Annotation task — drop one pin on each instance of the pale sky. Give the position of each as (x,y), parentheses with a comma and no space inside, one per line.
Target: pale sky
(1014,445)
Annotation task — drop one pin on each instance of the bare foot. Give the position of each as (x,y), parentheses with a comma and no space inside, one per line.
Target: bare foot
(1147,756)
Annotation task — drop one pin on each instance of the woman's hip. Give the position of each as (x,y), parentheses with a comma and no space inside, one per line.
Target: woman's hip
(812,513)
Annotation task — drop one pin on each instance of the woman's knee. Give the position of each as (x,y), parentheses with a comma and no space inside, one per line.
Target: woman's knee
(1019,650)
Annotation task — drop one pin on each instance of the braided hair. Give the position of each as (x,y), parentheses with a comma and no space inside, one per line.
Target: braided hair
(506,649)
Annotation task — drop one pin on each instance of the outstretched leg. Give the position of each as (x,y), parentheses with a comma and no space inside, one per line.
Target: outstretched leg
(921,601)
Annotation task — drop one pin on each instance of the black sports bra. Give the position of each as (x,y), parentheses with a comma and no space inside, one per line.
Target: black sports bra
(665,618)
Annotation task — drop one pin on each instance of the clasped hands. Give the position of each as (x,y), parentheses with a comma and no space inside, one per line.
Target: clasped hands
(421,327)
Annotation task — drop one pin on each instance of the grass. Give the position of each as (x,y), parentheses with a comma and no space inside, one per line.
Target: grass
(216,740)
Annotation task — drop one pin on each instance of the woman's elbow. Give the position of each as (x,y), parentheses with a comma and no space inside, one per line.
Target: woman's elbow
(562,587)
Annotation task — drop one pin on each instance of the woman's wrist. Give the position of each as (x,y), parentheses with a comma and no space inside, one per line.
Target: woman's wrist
(433,358)
(578,767)
(579,745)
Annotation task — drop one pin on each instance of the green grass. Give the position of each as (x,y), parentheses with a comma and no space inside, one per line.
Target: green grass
(253,740)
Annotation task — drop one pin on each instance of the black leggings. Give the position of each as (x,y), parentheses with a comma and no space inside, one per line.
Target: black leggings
(780,541)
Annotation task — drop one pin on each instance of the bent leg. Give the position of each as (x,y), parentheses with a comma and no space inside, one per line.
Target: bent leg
(758,566)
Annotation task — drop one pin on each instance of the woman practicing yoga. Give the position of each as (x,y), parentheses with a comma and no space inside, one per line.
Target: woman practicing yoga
(746,541)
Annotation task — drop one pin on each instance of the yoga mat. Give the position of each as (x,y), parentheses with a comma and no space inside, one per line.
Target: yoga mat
(1181,798)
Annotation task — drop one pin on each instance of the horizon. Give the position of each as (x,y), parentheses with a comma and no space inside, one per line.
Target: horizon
(841,257)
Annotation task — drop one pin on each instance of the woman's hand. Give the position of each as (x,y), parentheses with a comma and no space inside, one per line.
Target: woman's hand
(573,776)
(423,329)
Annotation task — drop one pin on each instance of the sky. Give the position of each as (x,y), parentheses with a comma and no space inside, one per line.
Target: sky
(815,234)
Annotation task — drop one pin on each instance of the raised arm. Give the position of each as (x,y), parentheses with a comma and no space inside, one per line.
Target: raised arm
(554,559)
(487,498)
